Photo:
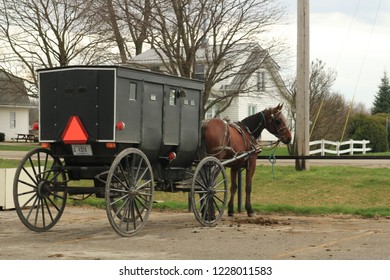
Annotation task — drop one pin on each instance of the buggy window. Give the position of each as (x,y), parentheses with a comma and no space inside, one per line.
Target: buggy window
(133,91)
(172,97)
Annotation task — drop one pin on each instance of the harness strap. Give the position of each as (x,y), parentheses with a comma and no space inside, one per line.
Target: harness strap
(240,128)
(224,147)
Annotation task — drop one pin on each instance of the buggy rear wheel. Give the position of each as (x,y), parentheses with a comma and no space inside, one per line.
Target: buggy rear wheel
(39,190)
(209,191)
(129,192)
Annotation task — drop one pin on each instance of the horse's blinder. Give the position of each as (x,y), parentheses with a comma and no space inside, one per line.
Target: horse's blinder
(278,123)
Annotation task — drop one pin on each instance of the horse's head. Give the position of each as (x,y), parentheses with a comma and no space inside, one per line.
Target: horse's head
(276,124)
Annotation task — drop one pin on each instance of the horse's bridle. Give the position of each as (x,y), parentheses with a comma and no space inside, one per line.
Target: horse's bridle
(277,124)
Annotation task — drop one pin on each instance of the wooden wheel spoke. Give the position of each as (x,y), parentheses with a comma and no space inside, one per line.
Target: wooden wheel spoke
(115,202)
(37,211)
(141,177)
(33,179)
(136,207)
(119,181)
(34,205)
(138,199)
(53,204)
(144,185)
(123,207)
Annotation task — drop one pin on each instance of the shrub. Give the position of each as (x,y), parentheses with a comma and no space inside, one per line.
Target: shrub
(383,119)
(366,127)
(2,137)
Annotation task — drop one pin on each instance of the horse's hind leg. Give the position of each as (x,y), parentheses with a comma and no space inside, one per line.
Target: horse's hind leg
(233,189)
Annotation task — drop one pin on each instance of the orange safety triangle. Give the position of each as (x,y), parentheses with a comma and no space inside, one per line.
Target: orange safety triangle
(74,132)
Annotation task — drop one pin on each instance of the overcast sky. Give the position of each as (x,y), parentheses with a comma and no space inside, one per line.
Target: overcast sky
(350,36)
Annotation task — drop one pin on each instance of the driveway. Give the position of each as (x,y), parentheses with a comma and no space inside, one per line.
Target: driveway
(85,233)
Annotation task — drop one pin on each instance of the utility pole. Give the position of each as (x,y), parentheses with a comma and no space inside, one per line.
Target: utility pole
(302,97)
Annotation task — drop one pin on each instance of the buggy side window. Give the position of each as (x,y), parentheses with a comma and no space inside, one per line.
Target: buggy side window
(133,91)
(172,97)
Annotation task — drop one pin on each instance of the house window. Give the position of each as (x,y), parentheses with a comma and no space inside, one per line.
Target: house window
(133,91)
(199,71)
(12,118)
(252,109)
(260,81)
(211,113)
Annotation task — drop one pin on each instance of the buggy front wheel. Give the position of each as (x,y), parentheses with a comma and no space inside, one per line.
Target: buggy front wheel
(209,191)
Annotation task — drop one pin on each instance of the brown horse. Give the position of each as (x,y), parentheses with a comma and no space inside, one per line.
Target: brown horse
(226,141)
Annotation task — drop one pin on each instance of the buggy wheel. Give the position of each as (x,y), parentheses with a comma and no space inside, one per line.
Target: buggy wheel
(40,190)
(129,192)
(209,191)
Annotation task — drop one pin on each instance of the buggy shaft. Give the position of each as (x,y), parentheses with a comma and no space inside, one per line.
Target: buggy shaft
(238,157)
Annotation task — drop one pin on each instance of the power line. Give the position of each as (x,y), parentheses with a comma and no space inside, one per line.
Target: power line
(361,67)
(367,46)
(347,35)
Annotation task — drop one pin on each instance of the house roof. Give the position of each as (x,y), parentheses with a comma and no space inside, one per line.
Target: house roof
(255,57)
(252,63)
(155,57)
(13,93)
(148,57)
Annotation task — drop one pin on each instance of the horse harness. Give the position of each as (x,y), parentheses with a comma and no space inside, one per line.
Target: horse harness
(241,128)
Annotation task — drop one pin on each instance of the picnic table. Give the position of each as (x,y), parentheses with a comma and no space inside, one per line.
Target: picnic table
(26,137)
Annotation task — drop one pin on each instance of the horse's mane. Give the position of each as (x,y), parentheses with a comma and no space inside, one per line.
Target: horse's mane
(255,124)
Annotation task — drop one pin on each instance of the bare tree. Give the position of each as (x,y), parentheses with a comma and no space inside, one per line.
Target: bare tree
(126,23)
(328,109)
(41,34)
(211,36)
(190,37)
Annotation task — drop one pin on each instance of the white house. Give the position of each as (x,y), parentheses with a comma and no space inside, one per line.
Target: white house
(254,74)
(14,106)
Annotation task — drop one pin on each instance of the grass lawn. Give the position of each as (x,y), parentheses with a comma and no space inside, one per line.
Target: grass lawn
(321,190)
(8,163)
(18,146)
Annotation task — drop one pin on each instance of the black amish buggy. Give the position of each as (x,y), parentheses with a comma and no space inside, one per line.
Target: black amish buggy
(128,132)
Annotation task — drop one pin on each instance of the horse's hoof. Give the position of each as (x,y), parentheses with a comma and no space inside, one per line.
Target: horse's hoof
(251,215)
(230,214)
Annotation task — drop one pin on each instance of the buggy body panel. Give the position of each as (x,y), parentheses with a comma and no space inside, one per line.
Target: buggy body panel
(161,114)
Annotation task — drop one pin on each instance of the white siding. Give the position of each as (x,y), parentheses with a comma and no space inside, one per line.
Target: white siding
(22,122)
(271,97)
(231,113)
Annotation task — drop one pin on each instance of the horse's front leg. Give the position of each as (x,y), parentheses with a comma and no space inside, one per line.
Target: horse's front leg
(250,171)
(233,189)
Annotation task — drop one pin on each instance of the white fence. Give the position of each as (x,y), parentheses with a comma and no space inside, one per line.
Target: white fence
(336,148)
